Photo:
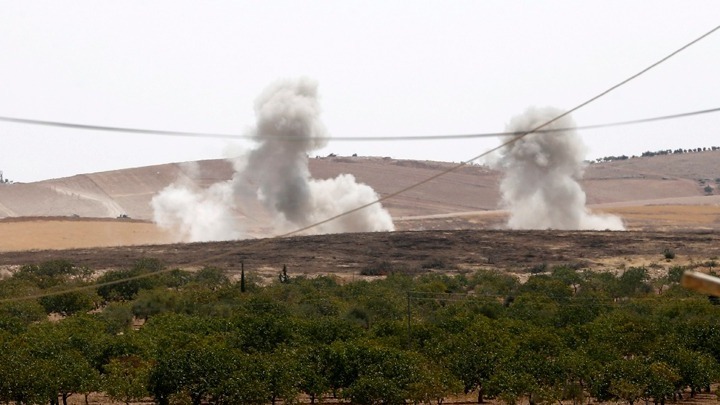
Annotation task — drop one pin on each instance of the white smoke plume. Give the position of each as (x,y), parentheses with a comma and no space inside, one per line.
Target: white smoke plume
(196,214)
(276,176)
(289,128)
(540,176)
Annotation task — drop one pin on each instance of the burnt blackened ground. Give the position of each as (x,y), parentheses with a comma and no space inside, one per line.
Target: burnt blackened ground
(351,254)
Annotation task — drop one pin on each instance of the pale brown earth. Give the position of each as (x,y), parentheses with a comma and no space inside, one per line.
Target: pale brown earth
(653,193)
(66,233)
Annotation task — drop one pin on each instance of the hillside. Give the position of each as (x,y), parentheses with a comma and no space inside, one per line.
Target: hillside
(649,193)
(471,188)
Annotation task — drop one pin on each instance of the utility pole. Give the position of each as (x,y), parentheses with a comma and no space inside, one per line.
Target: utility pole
(242,276)
(409,342)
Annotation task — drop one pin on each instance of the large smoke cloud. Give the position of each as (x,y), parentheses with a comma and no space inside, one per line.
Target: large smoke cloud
(275,175)
(540,176)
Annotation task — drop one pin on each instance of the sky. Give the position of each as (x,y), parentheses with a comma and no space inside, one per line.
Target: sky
(384,68)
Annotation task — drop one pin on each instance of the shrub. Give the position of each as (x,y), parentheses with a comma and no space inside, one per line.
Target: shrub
(434,263)
(379,268)
(675,273)
(137,278)
(538,268)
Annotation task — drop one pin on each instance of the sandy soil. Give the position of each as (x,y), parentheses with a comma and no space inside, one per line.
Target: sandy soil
(67,233)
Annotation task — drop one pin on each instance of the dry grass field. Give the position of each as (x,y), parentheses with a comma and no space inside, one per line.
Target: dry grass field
(69,233)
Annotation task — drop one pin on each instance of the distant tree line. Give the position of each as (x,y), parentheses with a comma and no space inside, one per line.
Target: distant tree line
(657,153)
(413,336)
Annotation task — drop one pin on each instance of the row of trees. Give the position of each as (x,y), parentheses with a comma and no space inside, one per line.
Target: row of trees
(562,335)
(658,153)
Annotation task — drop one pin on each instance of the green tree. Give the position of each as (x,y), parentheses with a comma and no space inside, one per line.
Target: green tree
(70,302)
(53,348)
(661,381)
(126,379)
(153,302)
(190,365)
(493,282)
(52,273)
(16,316)
(140,276)
(23,377)
(117,317)
(313,370)
(368,374)
(620,333)
(632,282)
(433,383)
(473,355)
(628,379)
(568,276)
(246,383)
(211,277)
(534,368)
(281,369)
(675,273)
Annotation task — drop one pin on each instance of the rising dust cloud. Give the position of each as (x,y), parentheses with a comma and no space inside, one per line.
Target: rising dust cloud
(541,171)
(275,176)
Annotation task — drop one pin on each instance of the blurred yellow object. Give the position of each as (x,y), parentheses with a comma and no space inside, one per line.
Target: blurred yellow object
(701,282)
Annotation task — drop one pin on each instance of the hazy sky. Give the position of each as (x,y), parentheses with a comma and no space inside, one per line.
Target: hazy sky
(384,68)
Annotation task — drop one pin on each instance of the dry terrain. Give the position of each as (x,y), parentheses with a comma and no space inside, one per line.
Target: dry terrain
(654,193)
(347,255)
(451,225)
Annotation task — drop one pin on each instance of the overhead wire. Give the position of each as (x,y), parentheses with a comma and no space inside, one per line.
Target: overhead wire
(391,195)
(187,134)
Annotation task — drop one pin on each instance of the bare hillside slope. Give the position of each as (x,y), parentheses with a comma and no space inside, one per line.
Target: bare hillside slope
(470,188)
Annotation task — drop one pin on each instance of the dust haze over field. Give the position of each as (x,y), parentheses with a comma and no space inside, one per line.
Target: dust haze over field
(276,174)
(541,172)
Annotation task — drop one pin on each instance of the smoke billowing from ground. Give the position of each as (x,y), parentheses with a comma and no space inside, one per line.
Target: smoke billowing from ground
(540,176)
(276,175)
(196,214)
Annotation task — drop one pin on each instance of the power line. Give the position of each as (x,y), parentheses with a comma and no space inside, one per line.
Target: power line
(379,200)
(347,138)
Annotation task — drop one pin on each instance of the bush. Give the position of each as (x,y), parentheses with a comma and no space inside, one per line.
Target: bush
(379,268)
(538,268)
(70,302)
(138,278)
(50,273)
(434,263)
(668,253)
(675,274)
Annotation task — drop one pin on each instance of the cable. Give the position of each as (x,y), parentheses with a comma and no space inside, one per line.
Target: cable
(379,200)
(348,138)
(507,143)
